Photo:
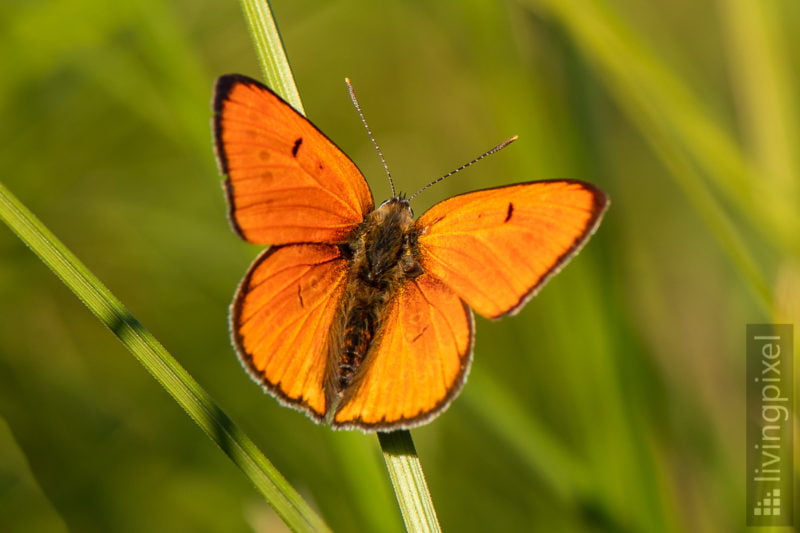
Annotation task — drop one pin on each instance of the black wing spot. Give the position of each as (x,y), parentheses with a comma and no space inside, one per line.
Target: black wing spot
(509,212)
(300,296)
(296,146)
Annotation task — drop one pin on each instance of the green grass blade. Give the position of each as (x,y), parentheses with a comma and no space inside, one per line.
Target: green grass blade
(408,481)
(164,368)
(269,48)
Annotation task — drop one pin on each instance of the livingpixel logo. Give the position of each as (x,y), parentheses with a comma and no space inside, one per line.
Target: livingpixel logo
(770,406)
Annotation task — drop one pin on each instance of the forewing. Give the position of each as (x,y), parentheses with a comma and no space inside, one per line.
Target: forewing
(496,247)
(280,320)
(419,364)
(286,181)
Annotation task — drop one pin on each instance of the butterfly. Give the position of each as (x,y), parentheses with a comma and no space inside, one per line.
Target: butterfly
(360,316)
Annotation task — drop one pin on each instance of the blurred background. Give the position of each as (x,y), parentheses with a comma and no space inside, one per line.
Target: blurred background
(613,402)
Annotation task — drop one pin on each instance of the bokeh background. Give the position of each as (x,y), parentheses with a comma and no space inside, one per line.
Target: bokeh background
(613,402)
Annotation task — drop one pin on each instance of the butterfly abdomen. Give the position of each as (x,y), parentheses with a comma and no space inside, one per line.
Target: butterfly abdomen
(358,332)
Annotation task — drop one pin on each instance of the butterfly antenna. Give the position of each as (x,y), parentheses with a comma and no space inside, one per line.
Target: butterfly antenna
(369,132)
(465,165)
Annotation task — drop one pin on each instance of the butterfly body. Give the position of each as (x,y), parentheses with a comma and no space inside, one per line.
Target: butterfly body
(381,256)
(362,317)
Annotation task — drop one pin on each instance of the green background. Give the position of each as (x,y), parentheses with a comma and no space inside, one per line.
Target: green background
(613,402)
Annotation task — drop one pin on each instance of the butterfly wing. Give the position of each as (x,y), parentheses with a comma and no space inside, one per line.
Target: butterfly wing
(286,181)
(280,320)
(496,247)
(419,363)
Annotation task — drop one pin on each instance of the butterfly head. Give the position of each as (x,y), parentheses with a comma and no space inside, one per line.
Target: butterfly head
(397,203)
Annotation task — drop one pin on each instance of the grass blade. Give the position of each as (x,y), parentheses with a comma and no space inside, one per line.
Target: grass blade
(408,481)
(269,48)
(164,368)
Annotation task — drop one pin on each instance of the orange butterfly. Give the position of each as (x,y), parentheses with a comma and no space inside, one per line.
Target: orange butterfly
(360,316)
